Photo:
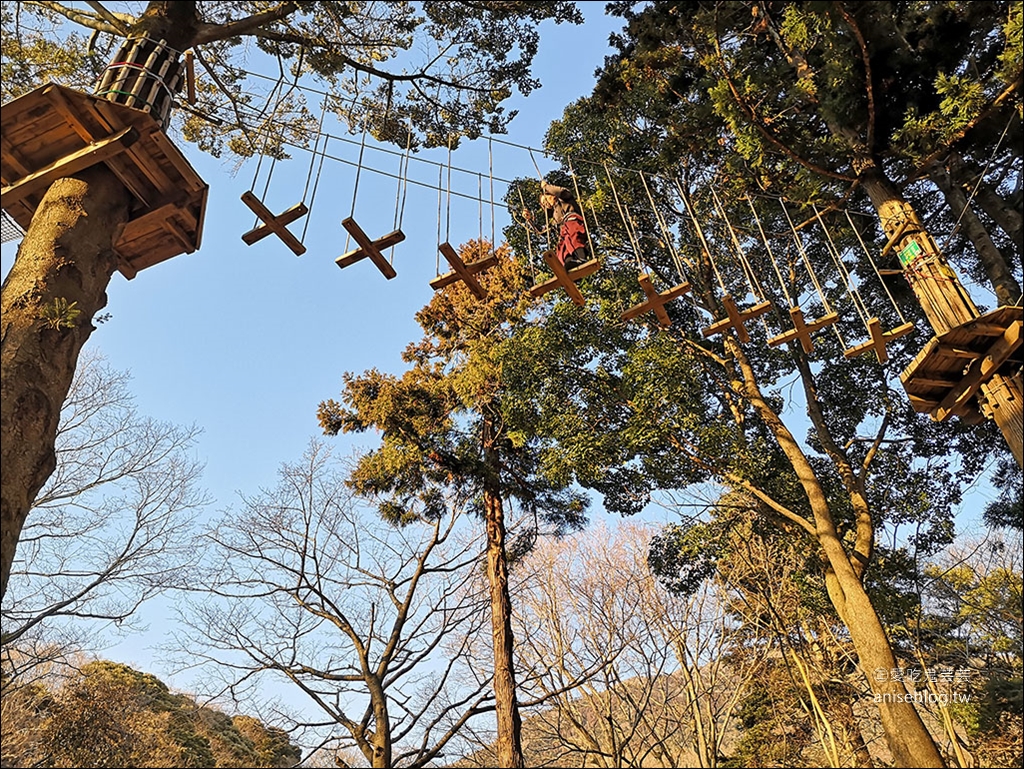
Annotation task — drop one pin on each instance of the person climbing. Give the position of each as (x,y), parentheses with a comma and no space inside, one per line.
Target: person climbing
(563,212)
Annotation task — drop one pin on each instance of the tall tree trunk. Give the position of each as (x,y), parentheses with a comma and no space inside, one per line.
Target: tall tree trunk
(67,256)
(381,741)
(510,725)
(909,741)
(1006,287)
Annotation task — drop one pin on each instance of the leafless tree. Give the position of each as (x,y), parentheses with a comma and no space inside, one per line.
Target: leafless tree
(371,622)
(629,675)
(111,528)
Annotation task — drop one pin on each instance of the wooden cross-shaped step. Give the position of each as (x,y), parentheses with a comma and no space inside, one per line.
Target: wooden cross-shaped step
(655,302)
(736,318)
(369,248)
(878,340)
(462,271)
(802,330)
(565,278)
(277,225)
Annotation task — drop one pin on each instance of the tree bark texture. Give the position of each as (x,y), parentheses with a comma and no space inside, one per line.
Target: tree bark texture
(1006,287)
(510,725)
(66,256)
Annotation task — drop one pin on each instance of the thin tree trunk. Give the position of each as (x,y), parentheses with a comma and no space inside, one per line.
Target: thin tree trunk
(510,726)
(67,256)
(1006,287)
(1005,213)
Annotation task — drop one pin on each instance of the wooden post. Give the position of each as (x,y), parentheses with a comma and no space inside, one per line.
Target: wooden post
(943,298)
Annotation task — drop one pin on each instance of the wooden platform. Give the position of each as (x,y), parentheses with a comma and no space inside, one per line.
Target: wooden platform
(946,375)
(55,131)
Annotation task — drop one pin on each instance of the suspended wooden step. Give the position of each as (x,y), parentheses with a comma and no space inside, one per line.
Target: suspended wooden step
(55,131)
(274,225)
(944,378)
(369,248)
(878,340)
(565,278)
(736,318)
(655,302)
(462,271)
(802,330)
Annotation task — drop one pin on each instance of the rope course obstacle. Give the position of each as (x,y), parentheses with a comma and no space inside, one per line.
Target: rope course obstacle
(460,270)
(271,224)
(54,131)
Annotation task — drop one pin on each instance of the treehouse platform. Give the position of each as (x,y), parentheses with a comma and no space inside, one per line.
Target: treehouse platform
(944,378)
(53,132)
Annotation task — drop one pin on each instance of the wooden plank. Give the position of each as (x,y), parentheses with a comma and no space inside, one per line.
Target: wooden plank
(130,174)
(139,157)
(957,352)
(173,154)
(171,226)
(895,237)
(285,218)
(878,340)
(142,158)
(272,223)
(736,318)
(923,405)
(938,383)
(88,156)
(473,268)
(655,301)
(565,279)
(979,372)
(369,248)
(460,271)
(12,158)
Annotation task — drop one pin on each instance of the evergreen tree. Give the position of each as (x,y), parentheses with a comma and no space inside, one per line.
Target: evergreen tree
(447,438)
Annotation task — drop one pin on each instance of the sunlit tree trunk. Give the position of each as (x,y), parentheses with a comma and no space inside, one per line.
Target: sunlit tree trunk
(509,744)
(66,260)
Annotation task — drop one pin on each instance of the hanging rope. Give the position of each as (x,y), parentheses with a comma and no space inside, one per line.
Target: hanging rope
(583,213)
(810,271)
(844,274)
(874,267)
(771,256)
(748,271)
(703,240)
(437,256)
(529,236)
(448,199)
(359,170)
(665,232)
(490,176)
(403,182)
(625,224)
